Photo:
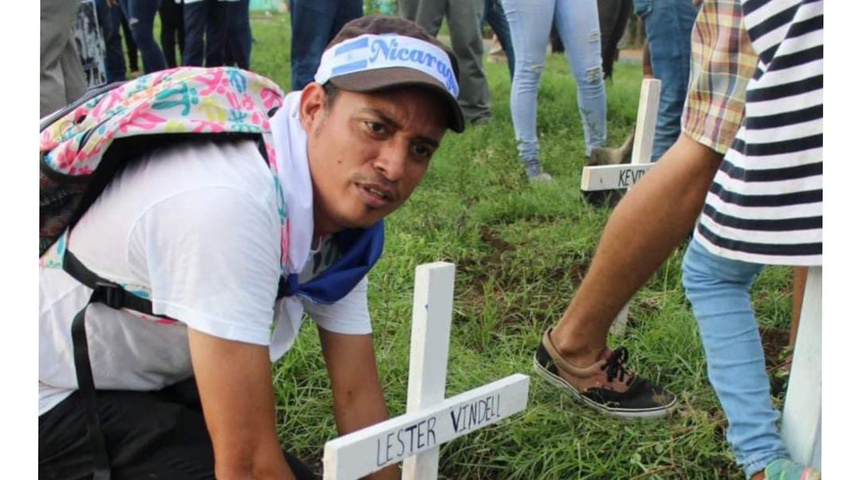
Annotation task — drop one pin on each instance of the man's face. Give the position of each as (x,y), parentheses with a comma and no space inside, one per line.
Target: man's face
(368,152)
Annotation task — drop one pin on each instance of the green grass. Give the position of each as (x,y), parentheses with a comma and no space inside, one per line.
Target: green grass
(520,253)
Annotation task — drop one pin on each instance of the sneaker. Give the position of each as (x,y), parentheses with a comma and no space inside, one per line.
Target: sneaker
(536,173)
(616,391)
(541,177)
(785,469)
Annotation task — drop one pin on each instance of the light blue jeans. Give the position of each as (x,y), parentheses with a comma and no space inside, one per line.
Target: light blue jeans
(578,26)
(718,289)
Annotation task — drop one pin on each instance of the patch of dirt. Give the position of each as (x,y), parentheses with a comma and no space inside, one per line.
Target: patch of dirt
(774,342)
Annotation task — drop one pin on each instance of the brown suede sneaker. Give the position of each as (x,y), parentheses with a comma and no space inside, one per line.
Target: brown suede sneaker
(616,391)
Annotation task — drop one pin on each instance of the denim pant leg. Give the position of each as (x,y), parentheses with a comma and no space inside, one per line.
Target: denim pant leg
(217,25)
(172,31)
(578,25)
(194,17)
(718,289)
(238,51)
(141,19)
(243,33)
(530,22)
(668,26)
(315,23)
(110,22)
(494,15)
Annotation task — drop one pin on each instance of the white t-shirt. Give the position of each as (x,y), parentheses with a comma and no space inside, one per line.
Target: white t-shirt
(199,234)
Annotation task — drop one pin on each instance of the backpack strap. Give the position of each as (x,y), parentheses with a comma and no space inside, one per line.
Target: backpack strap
(114,296)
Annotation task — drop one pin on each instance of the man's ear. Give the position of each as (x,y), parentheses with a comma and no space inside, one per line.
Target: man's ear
(312,105)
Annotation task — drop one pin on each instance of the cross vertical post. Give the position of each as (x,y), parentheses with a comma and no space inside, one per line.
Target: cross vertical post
(801,419)
(428,359)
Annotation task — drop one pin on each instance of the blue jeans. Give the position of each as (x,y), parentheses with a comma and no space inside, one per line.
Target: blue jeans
(315,23)
(172,31)
(110,18)
(577,23)
(239,37)
(718,289)
(141,18)
(205,26)
(494,15)
(668,26)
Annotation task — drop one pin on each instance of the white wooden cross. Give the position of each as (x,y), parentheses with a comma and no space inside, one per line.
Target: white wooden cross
(430,419)
(617,177)
(801,418)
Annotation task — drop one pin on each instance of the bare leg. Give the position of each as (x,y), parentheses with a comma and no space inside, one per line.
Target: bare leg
(671,196)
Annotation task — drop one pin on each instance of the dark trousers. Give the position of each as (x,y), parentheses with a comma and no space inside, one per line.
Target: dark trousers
(494,15)
(110,18)
(141,19)
(315,23)
(206,26)
(149,435)
(130,46)
(239,37)
(172,31)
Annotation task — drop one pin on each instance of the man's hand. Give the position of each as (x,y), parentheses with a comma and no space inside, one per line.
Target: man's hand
(235,384)
(358,399)
(115,3)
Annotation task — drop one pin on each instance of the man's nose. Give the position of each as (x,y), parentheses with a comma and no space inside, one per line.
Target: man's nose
(391,161)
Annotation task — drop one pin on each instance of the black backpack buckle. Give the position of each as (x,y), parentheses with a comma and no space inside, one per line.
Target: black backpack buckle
(110,294)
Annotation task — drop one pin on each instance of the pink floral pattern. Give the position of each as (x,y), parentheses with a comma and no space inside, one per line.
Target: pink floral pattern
(179,100)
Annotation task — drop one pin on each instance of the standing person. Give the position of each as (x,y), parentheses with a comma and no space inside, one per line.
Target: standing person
(172,31)
(668,24)
(199,226)
(574,354)
(764,208)
(206,23)
(107,11)
(314,24)
(613,23)
(494,15)
(128,38)
(239,38)
(464,19)
(141,20)
(61,75)
(579,30)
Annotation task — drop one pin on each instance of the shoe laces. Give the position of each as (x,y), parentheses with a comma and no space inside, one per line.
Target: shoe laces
(615,367)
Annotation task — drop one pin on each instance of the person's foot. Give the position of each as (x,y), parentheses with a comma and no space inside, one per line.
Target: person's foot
(607,385)
(785,469)
(536,173)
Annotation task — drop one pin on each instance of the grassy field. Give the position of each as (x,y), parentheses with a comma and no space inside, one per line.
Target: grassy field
(521,251)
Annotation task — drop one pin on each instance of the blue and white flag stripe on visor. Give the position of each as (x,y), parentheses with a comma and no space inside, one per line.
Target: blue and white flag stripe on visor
(374,52)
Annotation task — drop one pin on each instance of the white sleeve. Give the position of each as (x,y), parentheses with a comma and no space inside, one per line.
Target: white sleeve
(349,315)
(212,257)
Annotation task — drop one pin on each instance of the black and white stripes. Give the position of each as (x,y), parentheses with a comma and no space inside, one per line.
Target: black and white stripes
(765,205)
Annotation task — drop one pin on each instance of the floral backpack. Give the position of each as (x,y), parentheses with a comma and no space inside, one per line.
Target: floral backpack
(83,146)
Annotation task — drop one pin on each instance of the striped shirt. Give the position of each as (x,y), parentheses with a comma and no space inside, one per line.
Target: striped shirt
(765,205)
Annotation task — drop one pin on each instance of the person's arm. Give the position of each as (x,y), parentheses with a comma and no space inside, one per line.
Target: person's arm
(235,384)
(358,399)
